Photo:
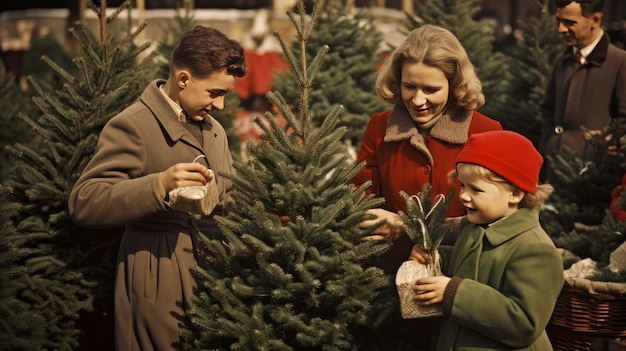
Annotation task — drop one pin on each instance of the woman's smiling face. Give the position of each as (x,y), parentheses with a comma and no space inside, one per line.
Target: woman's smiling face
(424,90)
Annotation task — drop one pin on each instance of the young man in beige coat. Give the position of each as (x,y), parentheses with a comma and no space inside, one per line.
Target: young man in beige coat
(145,152)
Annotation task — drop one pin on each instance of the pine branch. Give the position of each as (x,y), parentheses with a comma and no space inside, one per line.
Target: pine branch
(425,219)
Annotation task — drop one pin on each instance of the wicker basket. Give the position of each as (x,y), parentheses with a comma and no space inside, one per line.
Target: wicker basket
(567,340)
(592,307)
(584,310)
(563,339)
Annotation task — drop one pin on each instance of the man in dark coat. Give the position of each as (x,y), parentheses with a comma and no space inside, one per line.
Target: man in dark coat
(588,83)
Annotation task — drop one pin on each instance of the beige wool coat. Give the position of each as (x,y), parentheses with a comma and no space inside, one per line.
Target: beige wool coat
(119,187)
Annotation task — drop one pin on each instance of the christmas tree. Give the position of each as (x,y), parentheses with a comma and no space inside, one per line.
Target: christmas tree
(21,324)
(288,274)
(531,58)
(42,44)
(426,225)
(71,269)
(458,16)
(184,20)
(12,129)
(348,74)
(577,216)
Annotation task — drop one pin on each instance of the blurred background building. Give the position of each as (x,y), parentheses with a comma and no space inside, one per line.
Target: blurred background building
(19,19)
(23,21)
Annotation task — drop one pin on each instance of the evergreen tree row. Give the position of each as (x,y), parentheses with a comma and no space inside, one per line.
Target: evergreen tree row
(288,274)
(69,269)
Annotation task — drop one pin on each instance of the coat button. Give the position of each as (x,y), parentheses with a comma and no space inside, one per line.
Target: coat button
(427,169)
(558,130)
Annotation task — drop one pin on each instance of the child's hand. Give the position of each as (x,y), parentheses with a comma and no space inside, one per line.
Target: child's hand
(430,290)
(419,254)
(392,228)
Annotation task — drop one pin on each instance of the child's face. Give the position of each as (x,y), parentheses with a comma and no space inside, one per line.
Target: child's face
(485,201)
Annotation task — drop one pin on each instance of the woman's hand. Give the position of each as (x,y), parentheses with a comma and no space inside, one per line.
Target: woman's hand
(391,230)
(184,174)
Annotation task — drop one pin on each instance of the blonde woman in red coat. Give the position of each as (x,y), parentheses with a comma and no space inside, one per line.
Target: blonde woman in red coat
(435,93)
(143,153)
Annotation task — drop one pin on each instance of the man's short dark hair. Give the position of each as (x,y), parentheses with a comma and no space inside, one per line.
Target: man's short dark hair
(589,7)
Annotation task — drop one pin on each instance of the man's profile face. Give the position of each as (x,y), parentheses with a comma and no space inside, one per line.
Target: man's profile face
(576,29)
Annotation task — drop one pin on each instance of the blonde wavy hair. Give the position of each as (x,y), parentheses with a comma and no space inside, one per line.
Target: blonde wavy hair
(436,47)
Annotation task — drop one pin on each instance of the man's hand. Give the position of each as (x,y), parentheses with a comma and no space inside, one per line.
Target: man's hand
(184,174)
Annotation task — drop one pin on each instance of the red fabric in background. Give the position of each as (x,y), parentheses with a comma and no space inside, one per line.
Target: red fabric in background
(618,211)
(13,62)
(261,68)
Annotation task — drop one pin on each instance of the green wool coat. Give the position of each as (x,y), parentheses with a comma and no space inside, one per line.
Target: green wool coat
(509,277)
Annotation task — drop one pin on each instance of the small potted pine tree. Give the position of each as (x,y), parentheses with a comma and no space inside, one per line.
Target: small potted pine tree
(426,225)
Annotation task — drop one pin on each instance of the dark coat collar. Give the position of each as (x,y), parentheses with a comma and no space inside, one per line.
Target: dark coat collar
(596,57)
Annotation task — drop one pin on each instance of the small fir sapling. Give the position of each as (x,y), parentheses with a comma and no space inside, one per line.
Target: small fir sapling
(425,223)
(425,220)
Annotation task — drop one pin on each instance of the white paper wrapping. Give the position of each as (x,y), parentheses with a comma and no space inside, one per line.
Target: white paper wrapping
(408,273)
(618,259)
(195,199)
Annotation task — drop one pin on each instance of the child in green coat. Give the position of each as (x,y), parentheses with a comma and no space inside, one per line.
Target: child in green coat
(504,274)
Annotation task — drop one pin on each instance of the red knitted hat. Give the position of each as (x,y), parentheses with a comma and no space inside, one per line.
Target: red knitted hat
(506,153)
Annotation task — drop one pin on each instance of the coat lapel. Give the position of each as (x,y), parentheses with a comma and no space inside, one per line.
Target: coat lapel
(466,264)
(154,100)
(209,137)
